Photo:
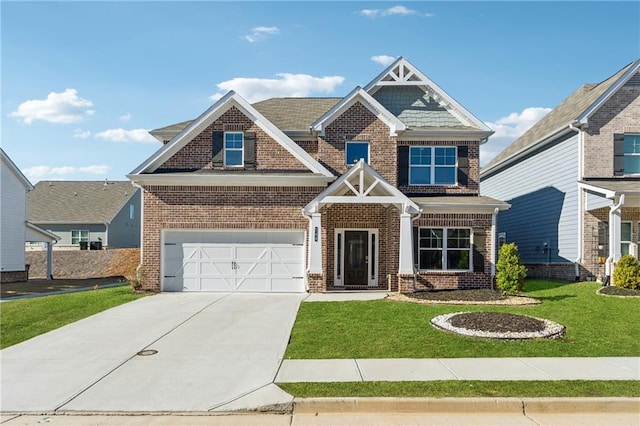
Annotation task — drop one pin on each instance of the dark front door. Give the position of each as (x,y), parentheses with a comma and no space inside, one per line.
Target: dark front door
(356,259)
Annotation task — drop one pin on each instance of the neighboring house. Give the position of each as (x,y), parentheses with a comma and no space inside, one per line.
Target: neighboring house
(374,191)
(573,181)
(15,231)
(88,214)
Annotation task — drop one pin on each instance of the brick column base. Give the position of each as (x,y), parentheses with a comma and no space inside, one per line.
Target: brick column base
(405,283)
(316,282)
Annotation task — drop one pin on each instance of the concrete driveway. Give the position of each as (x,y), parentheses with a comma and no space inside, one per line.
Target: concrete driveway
(214,352)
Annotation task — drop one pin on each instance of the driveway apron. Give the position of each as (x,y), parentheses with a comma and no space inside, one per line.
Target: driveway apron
(211,349)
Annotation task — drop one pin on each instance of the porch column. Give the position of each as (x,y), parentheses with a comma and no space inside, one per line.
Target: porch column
(614,236)
(49,260)
(406,246)
(315,244)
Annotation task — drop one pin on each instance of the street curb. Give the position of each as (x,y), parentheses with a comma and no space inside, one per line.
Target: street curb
(465,405)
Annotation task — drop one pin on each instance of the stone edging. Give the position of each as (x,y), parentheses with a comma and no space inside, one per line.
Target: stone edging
(551,330)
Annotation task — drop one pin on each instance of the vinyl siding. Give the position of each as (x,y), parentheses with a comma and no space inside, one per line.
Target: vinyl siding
(13,211)
(124,231)
(543,192)
(64,232)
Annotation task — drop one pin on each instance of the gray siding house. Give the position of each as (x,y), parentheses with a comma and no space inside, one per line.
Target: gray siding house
(87,213)
(573,181)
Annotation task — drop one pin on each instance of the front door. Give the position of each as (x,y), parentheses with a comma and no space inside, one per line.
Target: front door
(356,258)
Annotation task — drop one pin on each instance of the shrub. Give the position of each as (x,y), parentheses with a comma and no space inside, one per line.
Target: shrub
(627,272)
(511,273)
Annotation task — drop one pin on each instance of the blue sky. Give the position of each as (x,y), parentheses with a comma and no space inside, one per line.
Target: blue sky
(82,82)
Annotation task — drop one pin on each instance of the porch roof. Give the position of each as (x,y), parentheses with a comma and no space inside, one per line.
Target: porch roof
(361,184)
(466,203)
(613,189)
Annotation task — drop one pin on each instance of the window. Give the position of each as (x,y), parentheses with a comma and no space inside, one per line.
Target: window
(79,236)
(132,211)
(444,249)
(233,148)
(502,239)
(625,237)
(632,154)
(354,151)
(432,165)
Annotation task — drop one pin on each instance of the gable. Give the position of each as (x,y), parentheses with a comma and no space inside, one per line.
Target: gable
(201,128)
(199,152)
(401,80)
(416,108)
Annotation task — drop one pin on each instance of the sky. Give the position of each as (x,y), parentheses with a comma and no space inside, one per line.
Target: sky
(83,82)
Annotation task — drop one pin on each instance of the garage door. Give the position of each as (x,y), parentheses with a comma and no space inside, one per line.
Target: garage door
(233,261)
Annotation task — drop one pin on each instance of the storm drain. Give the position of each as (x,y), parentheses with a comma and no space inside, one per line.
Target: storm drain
(147,352)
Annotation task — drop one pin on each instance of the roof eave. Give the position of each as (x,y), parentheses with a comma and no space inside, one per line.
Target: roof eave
(222,179)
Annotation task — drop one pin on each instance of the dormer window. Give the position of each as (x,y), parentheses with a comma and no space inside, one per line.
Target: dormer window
(354,151)
(233,149)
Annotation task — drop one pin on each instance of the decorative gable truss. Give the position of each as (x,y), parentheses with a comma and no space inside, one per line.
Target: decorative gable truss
(193,130)
(403,74)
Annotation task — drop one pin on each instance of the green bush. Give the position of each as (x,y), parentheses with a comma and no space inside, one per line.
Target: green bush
(511,273)
(627,272)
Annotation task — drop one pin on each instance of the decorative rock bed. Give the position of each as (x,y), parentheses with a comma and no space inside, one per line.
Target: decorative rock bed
(498,325)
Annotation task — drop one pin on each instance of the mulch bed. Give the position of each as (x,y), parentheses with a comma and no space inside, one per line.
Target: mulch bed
(497,322)
(619,291)
(462,297)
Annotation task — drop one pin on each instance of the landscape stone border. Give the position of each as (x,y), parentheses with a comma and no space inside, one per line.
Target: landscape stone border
(511,300)
(599,293)
(552,330)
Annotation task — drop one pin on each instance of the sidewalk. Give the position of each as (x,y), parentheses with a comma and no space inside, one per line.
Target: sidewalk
(489,369)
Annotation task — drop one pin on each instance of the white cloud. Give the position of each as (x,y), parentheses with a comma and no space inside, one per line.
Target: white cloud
(81,134)
(64,107)
(260,33)
(38,173)
(125,117)
(257,89)
(122,135)
(383,59)
(509,128)
(395,10)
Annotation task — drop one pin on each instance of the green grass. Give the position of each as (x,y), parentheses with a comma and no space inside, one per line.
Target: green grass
(462,389)
(23,319)
(596,326)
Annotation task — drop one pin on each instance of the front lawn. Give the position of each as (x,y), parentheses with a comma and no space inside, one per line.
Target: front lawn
(466,388)
(596,326)
(21,320)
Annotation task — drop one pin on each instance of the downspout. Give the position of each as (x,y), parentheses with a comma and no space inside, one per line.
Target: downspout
(106,235)
(578,260)
(494,229)
(612,239)
(139,267)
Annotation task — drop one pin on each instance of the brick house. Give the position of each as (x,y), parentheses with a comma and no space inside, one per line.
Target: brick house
(573,181)
(374,191)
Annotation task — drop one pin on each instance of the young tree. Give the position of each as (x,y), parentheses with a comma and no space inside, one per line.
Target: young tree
(511,273)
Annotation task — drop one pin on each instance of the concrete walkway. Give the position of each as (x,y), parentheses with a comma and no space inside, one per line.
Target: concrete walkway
(489,369)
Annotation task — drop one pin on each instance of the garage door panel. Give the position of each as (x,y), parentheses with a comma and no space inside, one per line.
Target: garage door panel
(234,261)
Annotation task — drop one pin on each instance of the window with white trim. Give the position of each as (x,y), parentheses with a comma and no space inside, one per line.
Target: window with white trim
(79,236)
(132,211)
(445,249)
(432,165)
(631,154)
(625,237)
(233,149)
(354,151)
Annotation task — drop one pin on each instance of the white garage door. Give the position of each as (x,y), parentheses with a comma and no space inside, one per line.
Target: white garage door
(233,261)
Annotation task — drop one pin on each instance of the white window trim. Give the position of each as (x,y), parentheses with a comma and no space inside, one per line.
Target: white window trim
(445,248)
(358,142)
(433,166)
(625,154)
(225,149)
(132,211)
(80,240)
(629,241)
(338,277)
